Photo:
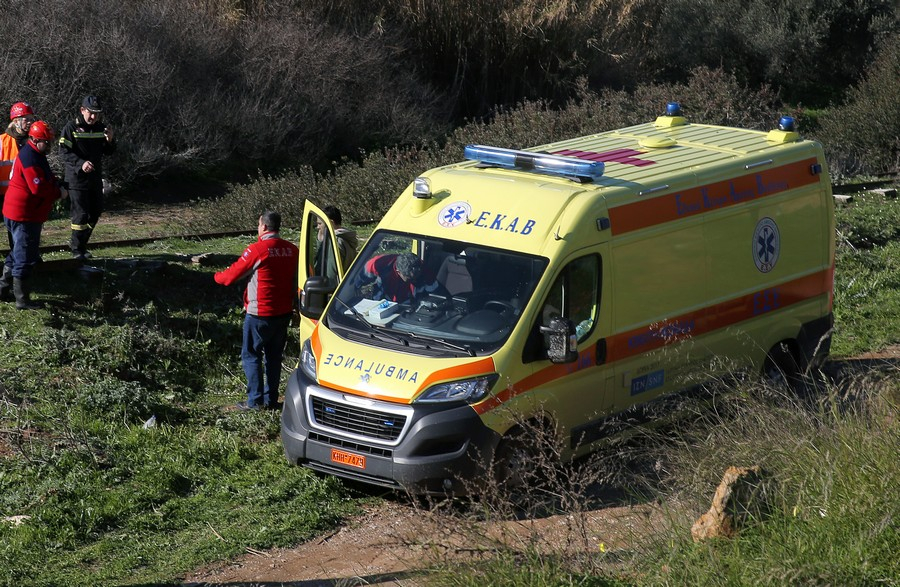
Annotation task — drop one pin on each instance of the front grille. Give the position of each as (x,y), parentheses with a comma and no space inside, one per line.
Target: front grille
(351,446)
(357,420)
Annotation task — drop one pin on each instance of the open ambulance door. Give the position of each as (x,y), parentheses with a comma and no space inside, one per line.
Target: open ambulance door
(320,268)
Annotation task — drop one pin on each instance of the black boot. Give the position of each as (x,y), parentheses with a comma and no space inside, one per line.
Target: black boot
(79,240)
(22,291)
(6,284)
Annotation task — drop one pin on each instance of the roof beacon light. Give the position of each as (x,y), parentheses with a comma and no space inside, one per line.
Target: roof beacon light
(422,188)
(539,162)
(786,131)
(672,118)
(673,109)
(787,124)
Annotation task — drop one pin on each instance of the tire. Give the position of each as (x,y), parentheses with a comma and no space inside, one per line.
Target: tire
(524,461)
(782,369)
(512,462)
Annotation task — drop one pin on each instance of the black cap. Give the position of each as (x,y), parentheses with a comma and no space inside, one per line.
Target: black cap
(92,103)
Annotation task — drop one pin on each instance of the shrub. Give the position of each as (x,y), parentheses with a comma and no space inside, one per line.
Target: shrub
(811,49)
(863,135)
(364,190)
(115,364)
(114,396)
(193,86)
(230,86)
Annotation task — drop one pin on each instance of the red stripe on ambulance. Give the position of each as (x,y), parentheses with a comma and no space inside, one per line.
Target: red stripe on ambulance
(713,196)
(703,321)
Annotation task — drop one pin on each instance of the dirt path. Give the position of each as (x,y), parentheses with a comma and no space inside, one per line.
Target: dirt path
(394,544)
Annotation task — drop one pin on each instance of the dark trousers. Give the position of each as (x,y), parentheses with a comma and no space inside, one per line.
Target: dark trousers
(87,206)
(26,246)
(261,354)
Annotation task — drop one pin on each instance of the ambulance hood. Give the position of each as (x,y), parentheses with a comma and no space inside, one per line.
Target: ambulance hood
(383,374)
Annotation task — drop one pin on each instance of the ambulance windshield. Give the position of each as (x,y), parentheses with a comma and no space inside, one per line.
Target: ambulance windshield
(433,297)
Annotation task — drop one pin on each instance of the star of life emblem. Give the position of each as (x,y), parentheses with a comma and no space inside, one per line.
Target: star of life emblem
(766,244)
(452,215)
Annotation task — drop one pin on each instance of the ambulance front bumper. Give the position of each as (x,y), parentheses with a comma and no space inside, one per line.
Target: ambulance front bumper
(428,448)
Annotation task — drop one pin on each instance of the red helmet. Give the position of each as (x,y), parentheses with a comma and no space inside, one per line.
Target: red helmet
(20,109)
(41,131)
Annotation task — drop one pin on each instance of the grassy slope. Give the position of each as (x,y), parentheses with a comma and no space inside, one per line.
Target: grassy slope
(109,500)
(112,502)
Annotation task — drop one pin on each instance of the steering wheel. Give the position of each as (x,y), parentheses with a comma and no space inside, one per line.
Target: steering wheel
(504,306)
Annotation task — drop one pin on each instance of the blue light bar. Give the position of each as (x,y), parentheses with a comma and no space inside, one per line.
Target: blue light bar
(539,162)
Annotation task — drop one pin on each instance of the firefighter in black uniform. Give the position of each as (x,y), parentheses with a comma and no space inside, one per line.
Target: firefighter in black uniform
(82,144)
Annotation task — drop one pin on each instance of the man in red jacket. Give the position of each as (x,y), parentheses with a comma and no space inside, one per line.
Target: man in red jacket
(32,190)
(271,264)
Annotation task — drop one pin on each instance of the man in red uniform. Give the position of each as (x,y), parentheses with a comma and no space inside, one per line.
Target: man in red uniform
(398,277)
(271,264)
(32,190)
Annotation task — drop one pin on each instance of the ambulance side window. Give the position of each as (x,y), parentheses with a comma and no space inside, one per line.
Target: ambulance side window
(575,295)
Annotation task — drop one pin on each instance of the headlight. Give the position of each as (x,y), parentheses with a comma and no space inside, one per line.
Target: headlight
(468,390)
(308,361)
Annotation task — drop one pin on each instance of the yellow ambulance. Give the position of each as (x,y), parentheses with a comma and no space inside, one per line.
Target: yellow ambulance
(558,286)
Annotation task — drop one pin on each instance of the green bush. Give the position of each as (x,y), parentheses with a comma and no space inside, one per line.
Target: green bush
(364,190)
(136,354)
(863,134)
(197,85)
(114,396)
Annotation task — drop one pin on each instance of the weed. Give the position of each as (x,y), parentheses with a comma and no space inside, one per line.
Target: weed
(826,517)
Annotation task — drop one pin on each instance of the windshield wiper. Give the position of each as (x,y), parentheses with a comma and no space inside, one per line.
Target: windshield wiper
(447,344)
(404,337)
(374,329)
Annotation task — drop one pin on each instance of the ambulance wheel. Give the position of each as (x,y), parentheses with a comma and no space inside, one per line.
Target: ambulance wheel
(522,461)
(781,368)
(511,463)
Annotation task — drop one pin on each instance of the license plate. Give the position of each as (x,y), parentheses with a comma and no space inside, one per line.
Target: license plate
(349,459)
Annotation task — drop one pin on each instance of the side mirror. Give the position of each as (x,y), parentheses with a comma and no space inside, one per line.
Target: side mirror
(316,292)
(563,342)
